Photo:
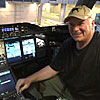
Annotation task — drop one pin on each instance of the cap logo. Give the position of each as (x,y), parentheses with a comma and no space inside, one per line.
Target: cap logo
(75,9)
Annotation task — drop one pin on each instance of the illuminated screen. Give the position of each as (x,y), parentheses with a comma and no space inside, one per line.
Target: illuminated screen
(40,43)
(13,52)
(28,48)
(7,83)
(9,29)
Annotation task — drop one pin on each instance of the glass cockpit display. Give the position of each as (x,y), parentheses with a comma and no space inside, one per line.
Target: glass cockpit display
(13,52)
(7,82)
(29,50)
(40,43)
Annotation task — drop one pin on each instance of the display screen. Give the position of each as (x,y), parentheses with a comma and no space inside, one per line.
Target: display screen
(29,50)
(7,83)
(13,52)
(40,43)
(10,29)
(41,48)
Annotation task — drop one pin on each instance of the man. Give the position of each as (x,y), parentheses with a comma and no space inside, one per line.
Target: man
(78,60)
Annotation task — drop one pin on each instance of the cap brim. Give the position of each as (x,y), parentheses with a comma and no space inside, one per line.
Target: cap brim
(78,17)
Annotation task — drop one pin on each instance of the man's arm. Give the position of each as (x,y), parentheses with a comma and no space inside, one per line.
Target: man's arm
(45,73)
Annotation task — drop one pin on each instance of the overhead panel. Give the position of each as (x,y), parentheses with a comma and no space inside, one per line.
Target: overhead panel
(15,0)
(88,3)
(36,0)
(8,0)
(27,0)
(18,0)
(2,4)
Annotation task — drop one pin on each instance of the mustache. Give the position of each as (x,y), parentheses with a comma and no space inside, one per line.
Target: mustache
(77,33)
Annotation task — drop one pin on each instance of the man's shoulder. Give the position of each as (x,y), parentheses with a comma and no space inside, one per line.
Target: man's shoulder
(97,33)
(69,40)
(97,38)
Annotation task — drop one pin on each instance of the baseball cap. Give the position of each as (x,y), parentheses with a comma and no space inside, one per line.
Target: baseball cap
(81,12)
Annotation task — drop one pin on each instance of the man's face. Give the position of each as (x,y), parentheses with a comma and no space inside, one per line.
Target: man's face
(81,31)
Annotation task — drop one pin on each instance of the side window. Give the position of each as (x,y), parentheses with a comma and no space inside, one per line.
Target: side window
(97,22)
(97,19)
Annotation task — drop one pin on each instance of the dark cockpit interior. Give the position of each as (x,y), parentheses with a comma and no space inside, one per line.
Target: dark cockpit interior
(26,48)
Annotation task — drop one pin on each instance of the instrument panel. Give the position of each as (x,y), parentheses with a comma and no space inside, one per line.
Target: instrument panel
(2,53)
(17,30)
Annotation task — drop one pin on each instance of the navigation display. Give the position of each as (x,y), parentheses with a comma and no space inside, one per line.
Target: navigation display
(13,52)
(29,48)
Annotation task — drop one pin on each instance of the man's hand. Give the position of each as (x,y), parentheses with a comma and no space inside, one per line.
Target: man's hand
(45,73)
(22,84)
